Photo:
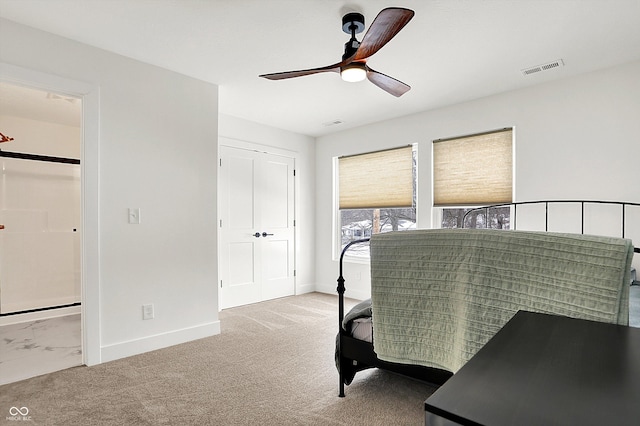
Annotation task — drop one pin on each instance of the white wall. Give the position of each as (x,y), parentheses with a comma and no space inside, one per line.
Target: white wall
(237,132)
(575,139)
(157,151)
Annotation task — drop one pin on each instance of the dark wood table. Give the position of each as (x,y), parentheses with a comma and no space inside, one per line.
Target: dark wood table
(547,370)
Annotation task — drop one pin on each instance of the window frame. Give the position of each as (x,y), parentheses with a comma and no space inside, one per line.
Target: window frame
(336,243)
(437,210)
(479,135)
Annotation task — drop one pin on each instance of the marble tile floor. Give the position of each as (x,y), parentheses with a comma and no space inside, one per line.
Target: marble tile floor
(33,348)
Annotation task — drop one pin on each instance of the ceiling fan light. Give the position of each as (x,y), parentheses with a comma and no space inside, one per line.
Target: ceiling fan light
(353,72)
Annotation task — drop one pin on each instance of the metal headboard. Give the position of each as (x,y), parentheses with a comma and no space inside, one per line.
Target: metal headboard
(546,203)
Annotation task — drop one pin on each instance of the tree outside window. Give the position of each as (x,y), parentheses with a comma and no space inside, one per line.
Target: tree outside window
(362,223)
(495,218)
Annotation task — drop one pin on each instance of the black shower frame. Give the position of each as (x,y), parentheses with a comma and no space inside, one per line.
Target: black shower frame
(36,157)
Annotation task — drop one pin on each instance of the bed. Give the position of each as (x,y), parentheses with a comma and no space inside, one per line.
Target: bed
(429,331)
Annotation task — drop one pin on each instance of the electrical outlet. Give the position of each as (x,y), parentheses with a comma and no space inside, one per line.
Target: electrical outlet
(147,312)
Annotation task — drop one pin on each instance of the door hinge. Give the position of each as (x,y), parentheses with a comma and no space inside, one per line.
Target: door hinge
(294,222)
(294,272)
(220,283)
(294,172)
(221,162)
(220,223)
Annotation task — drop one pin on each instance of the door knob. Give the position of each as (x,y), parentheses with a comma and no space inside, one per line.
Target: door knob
(257,235)
(264,234)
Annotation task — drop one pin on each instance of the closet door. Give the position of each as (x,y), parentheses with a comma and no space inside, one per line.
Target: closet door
(256,226)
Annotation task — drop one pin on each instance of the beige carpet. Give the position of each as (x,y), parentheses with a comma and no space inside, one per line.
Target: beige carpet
(272,364)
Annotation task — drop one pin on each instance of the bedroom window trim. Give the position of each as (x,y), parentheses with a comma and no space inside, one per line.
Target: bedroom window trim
(357,172)
(465,171)
(375,180)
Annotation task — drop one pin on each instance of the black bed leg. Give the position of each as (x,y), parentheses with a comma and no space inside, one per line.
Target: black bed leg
(340,373)
(340,290)
(341,393)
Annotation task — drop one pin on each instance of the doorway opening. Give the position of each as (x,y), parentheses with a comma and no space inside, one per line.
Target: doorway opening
(40,231)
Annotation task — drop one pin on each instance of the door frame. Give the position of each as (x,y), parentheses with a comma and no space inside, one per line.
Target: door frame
(252,146)
(89,163)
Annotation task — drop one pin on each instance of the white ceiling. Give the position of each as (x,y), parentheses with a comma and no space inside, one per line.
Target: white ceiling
(451,52)
(39,105)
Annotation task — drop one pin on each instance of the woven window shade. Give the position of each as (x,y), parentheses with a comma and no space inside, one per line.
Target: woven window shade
(377,180)
(473,170)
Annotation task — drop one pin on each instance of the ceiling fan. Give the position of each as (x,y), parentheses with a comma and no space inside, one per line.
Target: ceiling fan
(353,66)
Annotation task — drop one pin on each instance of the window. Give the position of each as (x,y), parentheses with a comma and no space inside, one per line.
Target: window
(494,218)
(376,193)
(474,170)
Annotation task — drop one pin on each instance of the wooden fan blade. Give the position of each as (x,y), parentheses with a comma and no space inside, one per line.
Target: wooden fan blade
(386,83)
(387,24)
(300,73)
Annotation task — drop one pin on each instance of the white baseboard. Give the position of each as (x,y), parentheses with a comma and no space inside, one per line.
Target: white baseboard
(357,294)
(351,293)
(158,341)
(305,288)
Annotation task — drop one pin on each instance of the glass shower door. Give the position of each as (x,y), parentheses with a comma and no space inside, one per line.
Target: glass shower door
(40,240)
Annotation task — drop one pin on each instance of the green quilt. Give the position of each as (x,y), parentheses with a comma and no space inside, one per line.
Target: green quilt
(439,295)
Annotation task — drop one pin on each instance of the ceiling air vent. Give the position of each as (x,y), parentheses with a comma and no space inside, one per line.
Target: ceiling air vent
(332,123)
(543,67)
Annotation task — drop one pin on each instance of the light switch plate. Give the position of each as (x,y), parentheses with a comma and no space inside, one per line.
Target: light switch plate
(147,312)
(134,216)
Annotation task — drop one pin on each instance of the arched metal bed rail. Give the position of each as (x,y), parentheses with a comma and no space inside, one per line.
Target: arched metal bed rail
(341,287)
(546,203)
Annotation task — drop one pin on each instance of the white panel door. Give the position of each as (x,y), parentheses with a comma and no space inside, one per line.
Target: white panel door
(256,226)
